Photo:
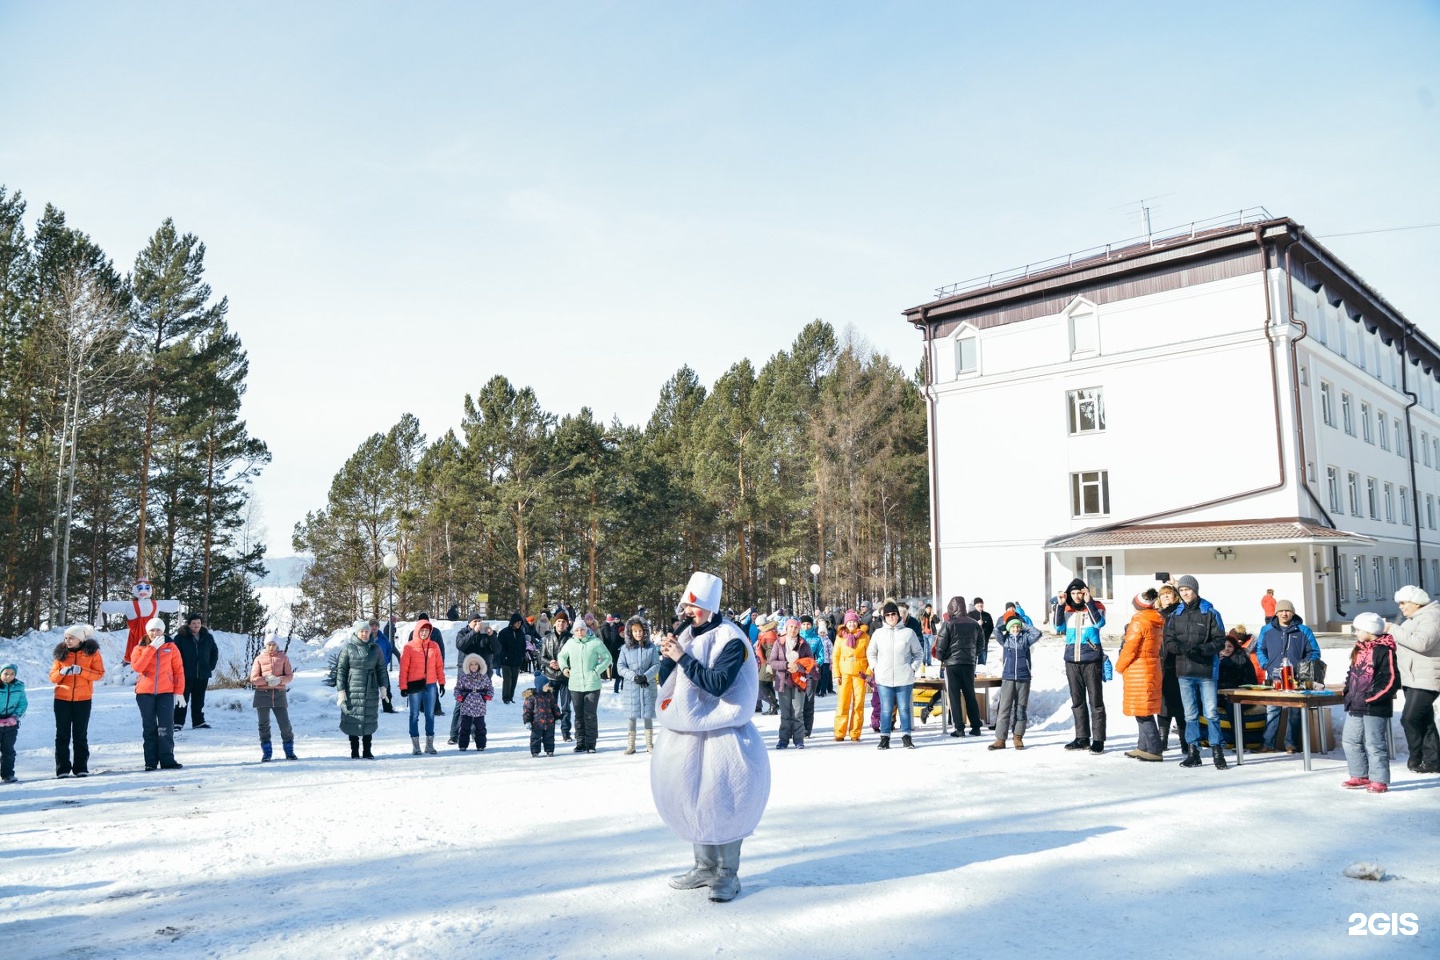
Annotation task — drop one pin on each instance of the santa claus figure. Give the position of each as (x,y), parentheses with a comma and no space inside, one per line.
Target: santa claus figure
(138,612)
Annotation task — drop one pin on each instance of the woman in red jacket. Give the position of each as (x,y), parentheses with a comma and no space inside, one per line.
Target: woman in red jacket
(76,668)
(161,678)
(422,673)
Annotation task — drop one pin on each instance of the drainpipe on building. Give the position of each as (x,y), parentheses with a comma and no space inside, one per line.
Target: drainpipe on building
(1410,449)
(934,464)
(1299,426)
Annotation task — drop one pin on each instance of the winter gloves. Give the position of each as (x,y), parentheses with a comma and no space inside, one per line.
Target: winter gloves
(71,670)
(641,680)
(342,700)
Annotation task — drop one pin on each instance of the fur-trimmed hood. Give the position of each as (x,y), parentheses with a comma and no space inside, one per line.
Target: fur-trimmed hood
(89,647)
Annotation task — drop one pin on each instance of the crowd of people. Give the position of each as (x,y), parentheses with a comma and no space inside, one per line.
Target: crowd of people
(1175,657)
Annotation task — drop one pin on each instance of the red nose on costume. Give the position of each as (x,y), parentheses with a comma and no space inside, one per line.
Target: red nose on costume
(691,598)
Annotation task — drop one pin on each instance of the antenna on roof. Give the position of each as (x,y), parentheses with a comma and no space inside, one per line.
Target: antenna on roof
(1145,215)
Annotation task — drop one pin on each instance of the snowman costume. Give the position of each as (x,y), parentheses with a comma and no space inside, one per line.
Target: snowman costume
(138,612)
(710,774)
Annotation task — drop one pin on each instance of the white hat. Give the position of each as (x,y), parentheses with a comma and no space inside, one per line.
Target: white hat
(155,624)
(703,591)
(1411,594)
(1369,623)
(81,631)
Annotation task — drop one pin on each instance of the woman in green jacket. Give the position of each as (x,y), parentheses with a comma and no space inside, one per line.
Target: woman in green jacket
(584,662)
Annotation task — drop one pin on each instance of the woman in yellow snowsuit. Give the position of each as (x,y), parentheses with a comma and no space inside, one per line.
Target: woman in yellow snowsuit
(852,666)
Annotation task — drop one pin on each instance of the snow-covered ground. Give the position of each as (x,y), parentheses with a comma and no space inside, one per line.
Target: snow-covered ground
(949,849)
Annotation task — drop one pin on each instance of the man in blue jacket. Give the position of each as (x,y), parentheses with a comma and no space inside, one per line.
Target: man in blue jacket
(1079,617)
(1286,639)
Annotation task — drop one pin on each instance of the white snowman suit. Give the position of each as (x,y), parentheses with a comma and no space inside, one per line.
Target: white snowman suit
(711,774)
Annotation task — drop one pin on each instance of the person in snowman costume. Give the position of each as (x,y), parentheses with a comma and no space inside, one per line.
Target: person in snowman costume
(138,612)
(711,773)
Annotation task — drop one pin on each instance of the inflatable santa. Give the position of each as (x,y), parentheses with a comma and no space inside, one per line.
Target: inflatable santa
(710,774)
(138,612)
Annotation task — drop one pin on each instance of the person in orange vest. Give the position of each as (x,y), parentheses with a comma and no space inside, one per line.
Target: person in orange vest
(160,679)
(77,665)
(138,612)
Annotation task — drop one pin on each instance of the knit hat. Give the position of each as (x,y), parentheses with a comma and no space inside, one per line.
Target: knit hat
(359,625)
(475,615)
(155,624)
(1188,581)
(1140,603)
(1013,618)
(1284,605)
(1412,594)
(559,615)
(890,608)
(703,591)
(852,615)
(80,631)
(1368,622)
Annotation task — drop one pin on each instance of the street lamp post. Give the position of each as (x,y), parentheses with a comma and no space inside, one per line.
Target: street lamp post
(782,591)
(391,562)
(815,589)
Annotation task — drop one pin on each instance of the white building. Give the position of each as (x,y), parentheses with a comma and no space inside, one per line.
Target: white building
(1230,401)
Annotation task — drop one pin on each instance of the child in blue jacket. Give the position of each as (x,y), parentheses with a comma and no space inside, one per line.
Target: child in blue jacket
(12,708)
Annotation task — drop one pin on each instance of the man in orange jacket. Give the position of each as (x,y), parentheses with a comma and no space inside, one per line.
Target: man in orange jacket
(161,677)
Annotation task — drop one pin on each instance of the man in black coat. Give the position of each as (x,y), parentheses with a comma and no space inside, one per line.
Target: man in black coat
(200,655)
(1194,635)
(987,623)
(613,636)
(512,656)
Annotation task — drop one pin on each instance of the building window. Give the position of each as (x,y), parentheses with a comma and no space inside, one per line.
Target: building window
(1310,471)
(1434,572)
(1399,439)
(1357,576)
(1377,567)
(1372,497)
(1327,404)
(1390,502)
(1394,576)
(1084,333)
(1384,430)
(1425,448)
(1405,505)
(1090,493)
(1342,591)
(1353,484)
(1087,410)
(967,355)
(1409,571)
(1099,574)
(1366,433)
(1435,443)
(1430,510)
(1332,482)
(1304,377)
(1347,413)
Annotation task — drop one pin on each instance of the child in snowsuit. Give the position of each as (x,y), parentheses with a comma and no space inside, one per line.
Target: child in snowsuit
(1369,693)
(472,691)
(539,715)
(12,708)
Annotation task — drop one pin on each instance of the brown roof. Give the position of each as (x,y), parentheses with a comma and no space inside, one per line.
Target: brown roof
(1283,530)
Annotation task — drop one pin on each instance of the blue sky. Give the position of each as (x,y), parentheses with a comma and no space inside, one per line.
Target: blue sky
(402,200)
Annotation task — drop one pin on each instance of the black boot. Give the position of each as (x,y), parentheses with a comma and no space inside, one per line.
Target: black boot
(354,748)
(1192,756)
(1218,753)
(365,753)
(1164,734)
(1079,743)
(906,741)
(884,743)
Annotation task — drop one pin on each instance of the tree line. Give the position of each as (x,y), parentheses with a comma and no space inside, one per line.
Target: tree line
(816,459)
(122,449)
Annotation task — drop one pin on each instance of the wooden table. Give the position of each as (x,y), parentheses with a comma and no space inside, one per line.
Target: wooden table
(1302,700)
(983,684)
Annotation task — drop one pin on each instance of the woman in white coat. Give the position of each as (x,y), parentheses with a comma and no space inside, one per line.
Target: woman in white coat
(894,654)
(711,774)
